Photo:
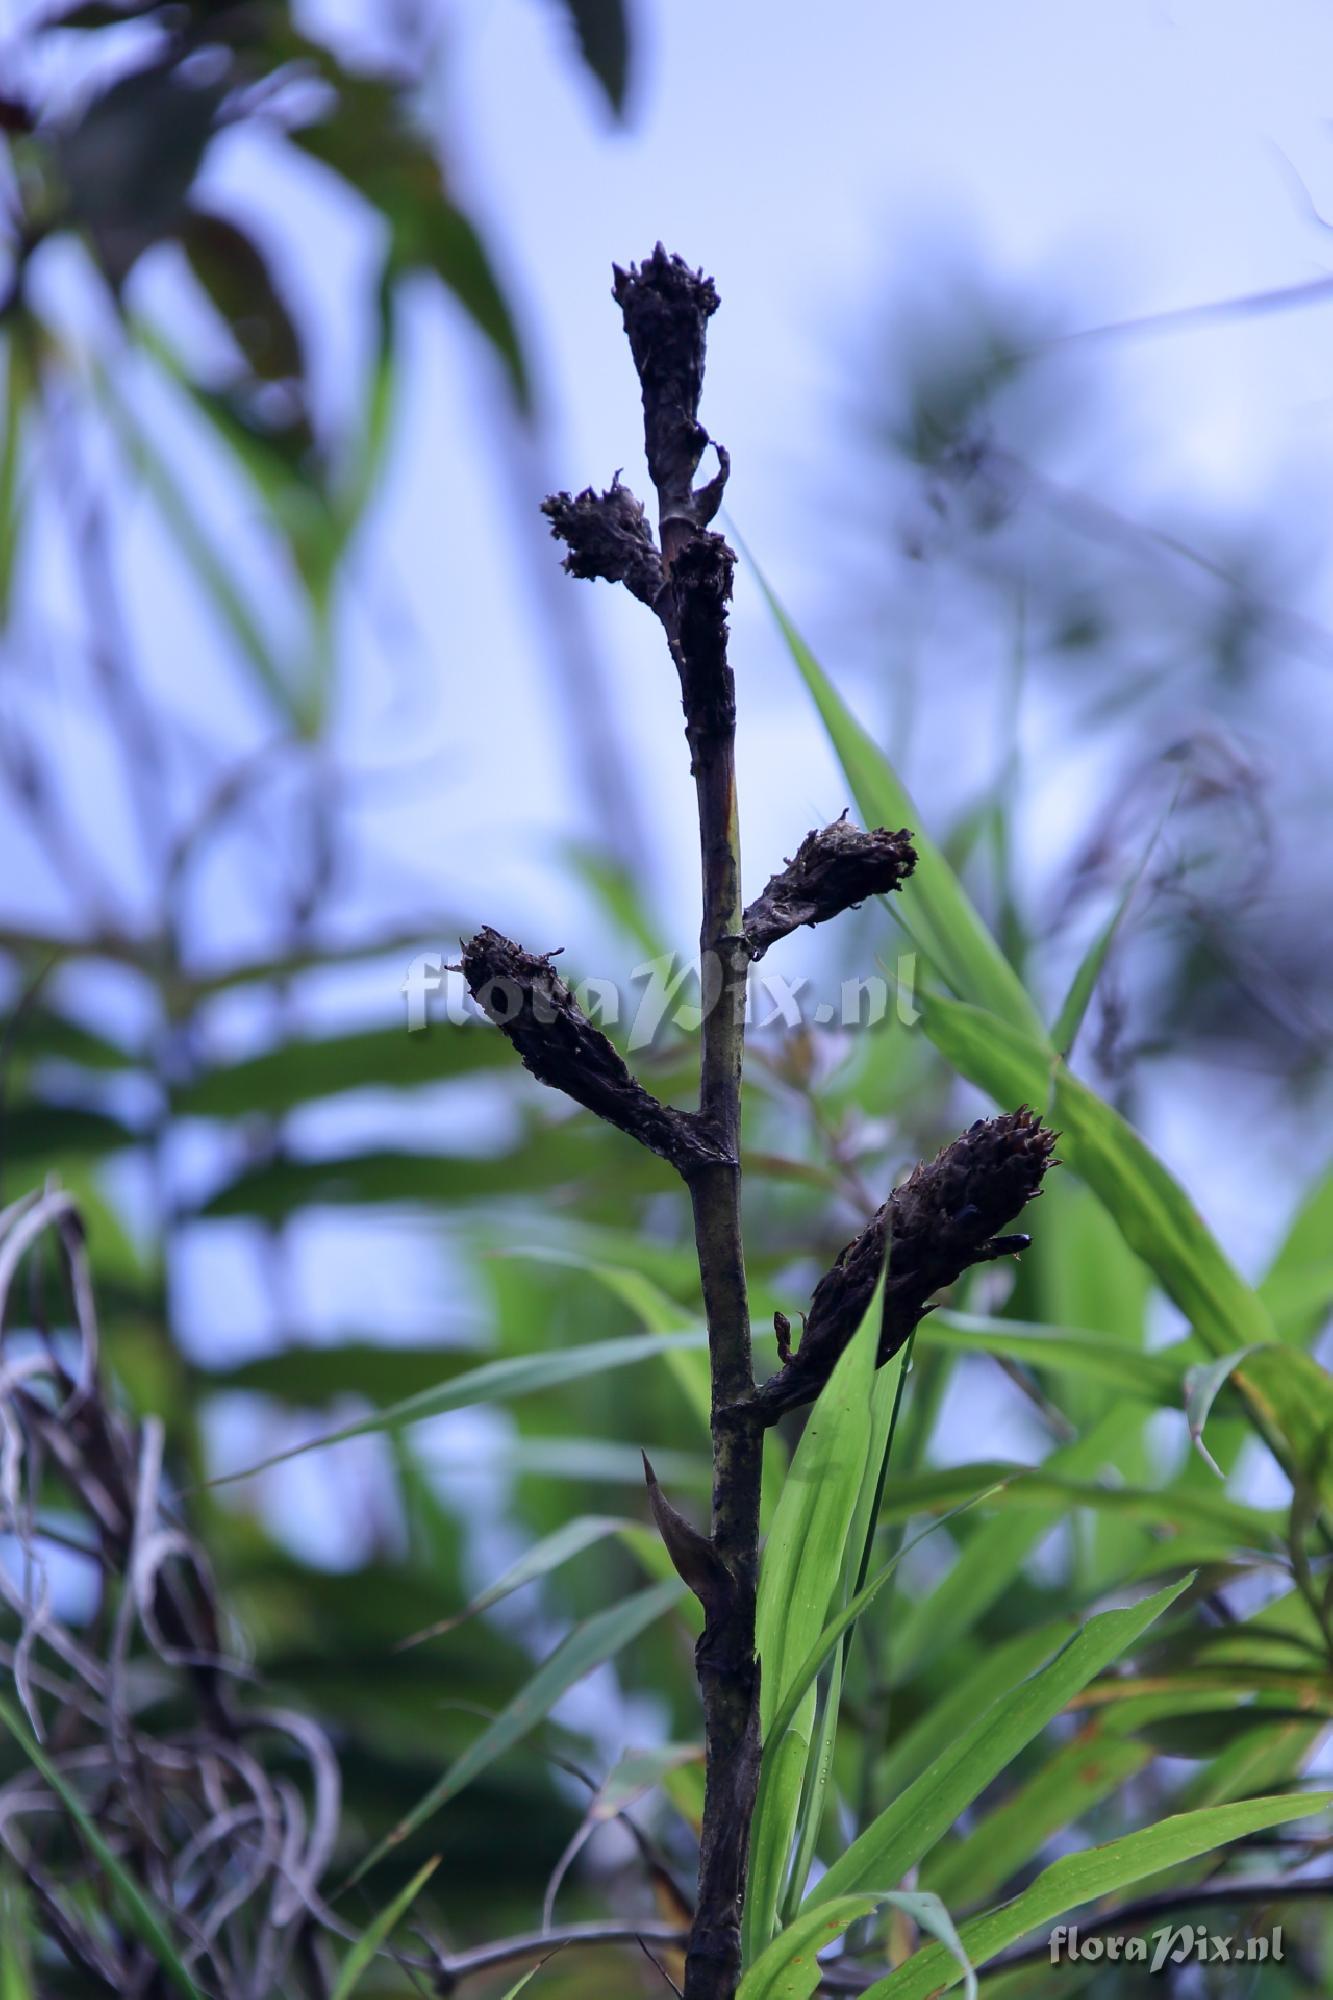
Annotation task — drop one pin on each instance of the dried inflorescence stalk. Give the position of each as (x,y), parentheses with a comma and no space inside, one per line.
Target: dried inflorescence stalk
(834,869)
(947,1215)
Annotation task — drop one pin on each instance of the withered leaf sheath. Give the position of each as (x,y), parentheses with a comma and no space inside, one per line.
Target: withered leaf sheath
(608,537)
(529,1002)
(947,1215)
(693,1557)
(832,870)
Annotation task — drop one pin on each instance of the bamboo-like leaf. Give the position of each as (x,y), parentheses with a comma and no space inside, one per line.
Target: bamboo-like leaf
(363,1951)
(312,1378)
(299,1069)
(495,1381)
(920,1816)
(1082,1878)
(1147,1378)
(929,1913)
(589,1645)
(602,27)
(544,1556)
(137,1908)
(512,1992)
(1018,1485)
(933,906)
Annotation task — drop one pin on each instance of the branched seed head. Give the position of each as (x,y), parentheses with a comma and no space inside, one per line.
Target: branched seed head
(608,536)
(524,995)
(832,870)
(946,1216)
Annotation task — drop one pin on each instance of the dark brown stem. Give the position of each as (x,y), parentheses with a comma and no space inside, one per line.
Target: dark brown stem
(666,308)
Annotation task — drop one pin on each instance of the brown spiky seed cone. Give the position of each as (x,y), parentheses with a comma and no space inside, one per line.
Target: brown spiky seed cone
(946,1216)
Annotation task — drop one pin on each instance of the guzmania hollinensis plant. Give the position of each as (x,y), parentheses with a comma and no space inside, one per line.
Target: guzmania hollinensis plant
(948,1215)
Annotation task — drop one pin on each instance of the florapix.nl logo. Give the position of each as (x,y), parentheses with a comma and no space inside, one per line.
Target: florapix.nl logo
(675,992)
(1171,1945)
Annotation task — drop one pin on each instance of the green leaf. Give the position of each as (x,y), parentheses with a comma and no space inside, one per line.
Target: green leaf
(805,1676)
(994,1554)
(19,385)
(494,1381)
(1298,1289)
(1018,1485)
(15,1940)
(300,1070)
(1148,1378)
(801,1565)
(1202,1385)
(35,1133)
(363,1951)
(512,1992)
(368,139)
(1083,1878)
(929,1914)
(383,1177)
(544,1556)
(589,1645)
(603,37)
(788,1969)
(239,281)
(1081,1773)
(1001,1665)
(933,906)
(657,1312)
(139,1912)
(38,1034)
(203,558)
(311,1378)
(127,160)
(921,1815)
